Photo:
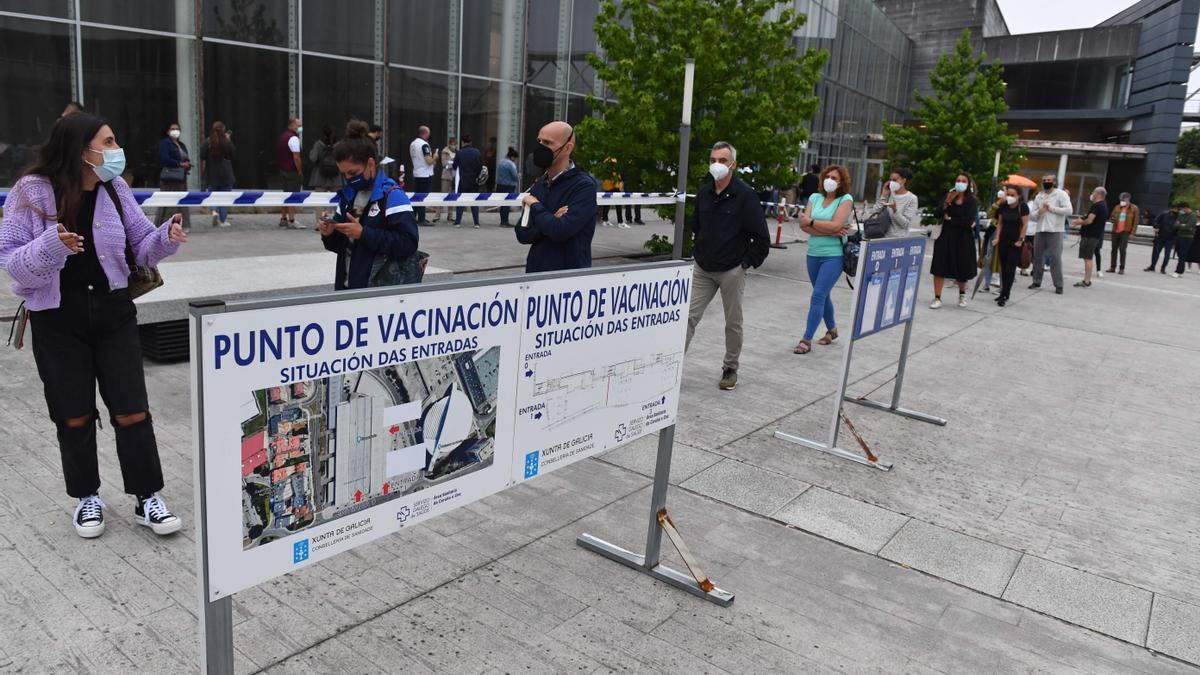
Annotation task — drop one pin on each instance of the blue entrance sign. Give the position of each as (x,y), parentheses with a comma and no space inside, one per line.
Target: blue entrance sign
(891,275)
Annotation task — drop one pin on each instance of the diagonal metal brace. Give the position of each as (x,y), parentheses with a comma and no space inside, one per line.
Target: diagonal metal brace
(871,457)
(668,526)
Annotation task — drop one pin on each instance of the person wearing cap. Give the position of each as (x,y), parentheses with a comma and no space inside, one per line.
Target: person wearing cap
(1124,221)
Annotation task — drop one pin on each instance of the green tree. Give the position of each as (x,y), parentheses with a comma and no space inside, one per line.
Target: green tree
(752,88)
(958,126)
(1187,153)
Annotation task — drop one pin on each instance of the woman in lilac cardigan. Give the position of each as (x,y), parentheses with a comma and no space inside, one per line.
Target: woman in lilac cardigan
(63,241)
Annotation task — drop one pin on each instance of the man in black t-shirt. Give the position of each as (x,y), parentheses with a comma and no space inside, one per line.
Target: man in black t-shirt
(1091,233)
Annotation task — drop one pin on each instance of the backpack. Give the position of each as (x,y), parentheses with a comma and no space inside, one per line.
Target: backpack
(325,165)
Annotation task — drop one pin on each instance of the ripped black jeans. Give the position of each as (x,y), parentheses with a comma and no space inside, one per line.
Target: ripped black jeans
(92,338)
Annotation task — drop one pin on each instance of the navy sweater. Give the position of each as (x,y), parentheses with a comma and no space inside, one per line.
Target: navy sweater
(561,243)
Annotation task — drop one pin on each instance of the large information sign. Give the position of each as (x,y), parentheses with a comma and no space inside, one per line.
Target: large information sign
(327,423)
(891,276)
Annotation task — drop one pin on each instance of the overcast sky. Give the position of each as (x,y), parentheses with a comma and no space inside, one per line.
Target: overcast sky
(1037,16)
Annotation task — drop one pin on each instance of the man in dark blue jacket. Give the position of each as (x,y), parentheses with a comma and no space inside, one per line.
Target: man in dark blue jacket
(469,164)
(561,205)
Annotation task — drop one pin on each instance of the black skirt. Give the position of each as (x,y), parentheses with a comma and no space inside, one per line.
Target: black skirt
(954,254)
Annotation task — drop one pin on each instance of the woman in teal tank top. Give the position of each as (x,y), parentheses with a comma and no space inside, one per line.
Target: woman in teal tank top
(826,220)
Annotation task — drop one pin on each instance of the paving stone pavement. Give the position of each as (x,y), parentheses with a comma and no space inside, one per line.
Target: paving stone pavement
(1053,525)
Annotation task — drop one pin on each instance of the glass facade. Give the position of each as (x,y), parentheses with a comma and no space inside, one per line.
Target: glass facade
(494,69)
(863,84)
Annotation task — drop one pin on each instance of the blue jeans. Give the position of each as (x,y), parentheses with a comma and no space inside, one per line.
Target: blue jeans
(222,211)
(824,273)
(504,189)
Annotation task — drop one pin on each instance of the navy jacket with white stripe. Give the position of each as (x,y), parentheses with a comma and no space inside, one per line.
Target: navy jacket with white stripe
(389,229)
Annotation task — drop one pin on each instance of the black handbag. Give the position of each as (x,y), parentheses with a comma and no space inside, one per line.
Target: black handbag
(142,278)
(851,247)
(878,224)
(172,174)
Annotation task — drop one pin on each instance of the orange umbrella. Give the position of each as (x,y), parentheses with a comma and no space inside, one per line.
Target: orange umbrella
(1019,181)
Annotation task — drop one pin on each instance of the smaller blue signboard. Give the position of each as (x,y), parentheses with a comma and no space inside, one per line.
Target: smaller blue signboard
(891,277)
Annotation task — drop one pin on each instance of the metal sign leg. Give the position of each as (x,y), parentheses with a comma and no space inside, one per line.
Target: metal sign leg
(894,407)
(697,584)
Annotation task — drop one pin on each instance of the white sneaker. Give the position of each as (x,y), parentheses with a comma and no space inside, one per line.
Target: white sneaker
(155,515)
(1175,275)
(623,226)
(936,304)
(605,223)
(89,517)
(962,300)
(1099,273)
(297,225)
(216,218)
(223,223)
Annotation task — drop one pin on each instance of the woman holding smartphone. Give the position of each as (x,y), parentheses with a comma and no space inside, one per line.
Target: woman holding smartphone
(374,231)
(67,226)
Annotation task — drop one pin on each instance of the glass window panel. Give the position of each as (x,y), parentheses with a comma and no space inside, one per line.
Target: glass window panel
(577,109)
(346,27)
(492,38)
(539,111)
(263,22)
(491,114)
(173,16)
(38,59)
(419,34)
(583,42)
(60,9)
(541,65)
(416,98)
(229,73)
(335,91)
(139,108)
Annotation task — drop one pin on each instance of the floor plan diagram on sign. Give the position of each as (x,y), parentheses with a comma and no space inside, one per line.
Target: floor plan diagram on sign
(571,395)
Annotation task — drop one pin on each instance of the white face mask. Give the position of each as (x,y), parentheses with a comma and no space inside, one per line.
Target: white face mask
(1124,202)
(718,170)
(894,186)
(830,184)
(960,186)
(1012,201)
(174,133)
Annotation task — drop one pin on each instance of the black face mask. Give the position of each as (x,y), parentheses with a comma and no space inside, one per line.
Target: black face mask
(1048,185)
(543,157)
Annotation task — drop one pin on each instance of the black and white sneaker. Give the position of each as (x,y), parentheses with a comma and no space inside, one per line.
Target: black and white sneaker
(155,515)
(89,517)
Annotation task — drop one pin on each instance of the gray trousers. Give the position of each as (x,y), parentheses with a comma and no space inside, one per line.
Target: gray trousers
(731,284)
(1052,242)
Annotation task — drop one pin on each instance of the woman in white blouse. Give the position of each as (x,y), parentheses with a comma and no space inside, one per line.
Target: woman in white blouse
(901,204)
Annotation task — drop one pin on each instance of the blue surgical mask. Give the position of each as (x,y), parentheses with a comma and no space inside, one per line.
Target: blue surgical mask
(960,186)
(359,183)
(113,165)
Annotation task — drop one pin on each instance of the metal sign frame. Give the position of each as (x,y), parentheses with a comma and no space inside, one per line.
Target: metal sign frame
(831,445)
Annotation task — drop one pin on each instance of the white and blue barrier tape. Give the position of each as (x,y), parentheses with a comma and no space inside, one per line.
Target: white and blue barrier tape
(159,199)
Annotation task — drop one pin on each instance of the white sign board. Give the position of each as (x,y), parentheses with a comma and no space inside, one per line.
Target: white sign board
(326,425)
